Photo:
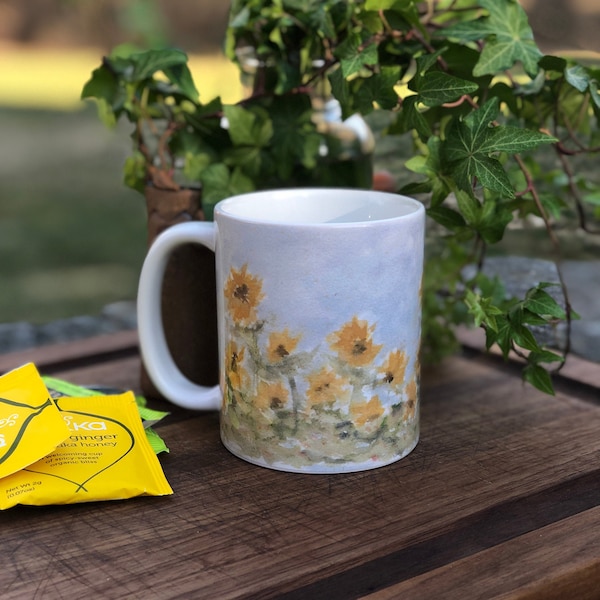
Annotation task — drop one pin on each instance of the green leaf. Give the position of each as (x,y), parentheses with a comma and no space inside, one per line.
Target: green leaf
(494,220)
(102,84)
(531,318)
(553,63)
(471,142)
(447,217)
(595,93)
(479,121)
(195,164)
(491,175)
(522,336)
(502,336)
(459,144)
(482,309)
(218,183)
(509,39)
(134,172)
(469,207)
(147,63)
(539,378)
(436,88)
(578,77)
(411,118)
(388,4)
(426,61)
(379,89)
(295,138)
(509,139)
(341,91)
(542,303)
(181,76)
(246,127)
(467,31)
(353,57)
(545,356)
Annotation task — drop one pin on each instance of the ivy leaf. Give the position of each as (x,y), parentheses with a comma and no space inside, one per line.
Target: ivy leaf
(523,337)
(134,171)
(545,356)
(584,79)
(145,64)
(436,88)
(471,143)
(509,39)
(181,76)
(448,217)
(469,206)
(491,174)
(246,128)
(102,84)
(502,336)
(353,56)
(341,91)
(479,121)
(494,220)
(542,303)
(539,378)
(379,4)
(378,89)
(295,138)
(483,310)
(104,87)
(578,77)
(218,183)
(514,139)
(195,164)
(508,36)
(410,117)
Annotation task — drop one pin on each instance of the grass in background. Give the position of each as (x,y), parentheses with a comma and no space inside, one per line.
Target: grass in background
(72,236)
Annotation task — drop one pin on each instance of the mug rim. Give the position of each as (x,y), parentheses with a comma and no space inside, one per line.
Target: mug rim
(281,194)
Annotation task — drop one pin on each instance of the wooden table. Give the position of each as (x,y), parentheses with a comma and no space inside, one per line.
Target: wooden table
(500,499)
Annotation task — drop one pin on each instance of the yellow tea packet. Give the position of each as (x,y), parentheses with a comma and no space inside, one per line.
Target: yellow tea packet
(105,457)
(31,425)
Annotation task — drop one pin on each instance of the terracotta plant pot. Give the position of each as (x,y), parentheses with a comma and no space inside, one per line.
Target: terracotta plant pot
(189,305)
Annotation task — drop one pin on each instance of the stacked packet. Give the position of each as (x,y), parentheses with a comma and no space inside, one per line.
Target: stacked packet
(79,446)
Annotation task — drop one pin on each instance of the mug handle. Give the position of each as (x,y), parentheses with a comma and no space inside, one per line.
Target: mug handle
(161,367)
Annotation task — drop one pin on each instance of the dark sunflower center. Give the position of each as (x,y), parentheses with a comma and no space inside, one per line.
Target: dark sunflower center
(276,402)
(242,292)
(359,347)
(281,351)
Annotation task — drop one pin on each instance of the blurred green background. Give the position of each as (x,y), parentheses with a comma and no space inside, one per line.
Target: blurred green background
(72,237)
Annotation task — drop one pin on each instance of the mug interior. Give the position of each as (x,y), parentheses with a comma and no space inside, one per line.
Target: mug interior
(318,206)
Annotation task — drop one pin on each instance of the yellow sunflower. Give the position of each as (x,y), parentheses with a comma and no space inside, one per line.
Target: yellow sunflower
(325,387)
(353,343)
(411,404)
(243,293)
(271,395)
(281,344)
(364,412)
(394,367)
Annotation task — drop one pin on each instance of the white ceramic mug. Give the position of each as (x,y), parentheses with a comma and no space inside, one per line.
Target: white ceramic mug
(319,309)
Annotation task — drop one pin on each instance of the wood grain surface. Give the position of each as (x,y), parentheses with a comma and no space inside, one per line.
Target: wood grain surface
(500,499)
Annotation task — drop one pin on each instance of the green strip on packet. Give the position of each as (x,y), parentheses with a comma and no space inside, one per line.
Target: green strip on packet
(149,416)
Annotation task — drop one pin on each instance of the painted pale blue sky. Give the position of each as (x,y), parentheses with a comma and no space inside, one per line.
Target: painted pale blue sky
(317,279)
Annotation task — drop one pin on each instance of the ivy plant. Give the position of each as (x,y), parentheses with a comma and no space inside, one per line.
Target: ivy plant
(497,130)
